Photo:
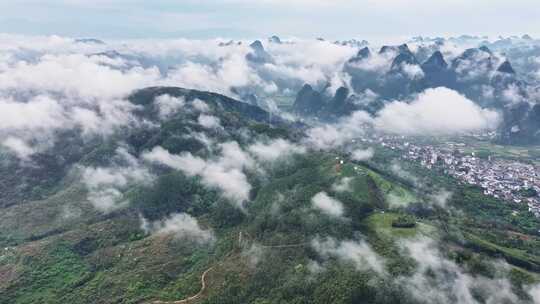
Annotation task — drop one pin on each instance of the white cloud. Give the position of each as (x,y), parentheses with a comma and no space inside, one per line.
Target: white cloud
(361,155)
(168,105)
(106,199)
(366,97)
(224,173)
(108,116)
(377,62)
(413,71)
(254,254)
(275,149)
(327,204)
(181,225)
(87,92)
(358,252)
(307,61)
(329,136)
(478,66)
(535,293)
(76,76)
(309,74)
(440,198)
(435,112)
(203,138)
(200,105)
(19,147)
(338,80)
(219,76)
(233,182)
(512,95)
(438,111)
(61,84)
(188,163)
(36,120)
(88,120)
(308,53)
(39,113)
(343,185)
(440,280)
(106,184)
(304,61)
(209,121)
(234,157)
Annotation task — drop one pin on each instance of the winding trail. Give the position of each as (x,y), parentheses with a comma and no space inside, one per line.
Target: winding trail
(205,273)
(192,298)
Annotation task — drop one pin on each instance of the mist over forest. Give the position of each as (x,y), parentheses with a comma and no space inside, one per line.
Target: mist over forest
(273,170)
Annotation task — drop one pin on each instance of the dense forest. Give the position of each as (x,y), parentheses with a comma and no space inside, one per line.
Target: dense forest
(314,227)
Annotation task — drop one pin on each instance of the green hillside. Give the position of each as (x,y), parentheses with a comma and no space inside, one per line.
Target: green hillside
(279,246)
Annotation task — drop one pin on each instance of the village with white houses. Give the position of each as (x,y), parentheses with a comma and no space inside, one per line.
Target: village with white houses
(505,179)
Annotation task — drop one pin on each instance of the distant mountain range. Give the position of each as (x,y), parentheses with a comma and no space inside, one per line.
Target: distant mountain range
(477,73)
(494,75)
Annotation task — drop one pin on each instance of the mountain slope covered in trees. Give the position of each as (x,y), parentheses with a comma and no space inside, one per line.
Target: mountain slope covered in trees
(207,184)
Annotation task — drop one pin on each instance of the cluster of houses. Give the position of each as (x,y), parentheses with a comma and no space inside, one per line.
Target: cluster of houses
(504,179)
(508,180)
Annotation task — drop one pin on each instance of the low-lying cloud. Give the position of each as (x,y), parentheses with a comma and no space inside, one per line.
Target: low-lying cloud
(440,198)
(56,83)
(209,121)
(275,149)
(106,185)
(534,292)
(361,155)
(224,172)
(439,111)
(19,147)
(327,205)
(440,280)
(357,252)
(181,225)
(167,105)
(329,136)
(343,185)
(76,76)
(31,125)
(62,84)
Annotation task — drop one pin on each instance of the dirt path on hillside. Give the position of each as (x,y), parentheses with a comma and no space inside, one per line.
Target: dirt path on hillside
(192,298)
(205,273)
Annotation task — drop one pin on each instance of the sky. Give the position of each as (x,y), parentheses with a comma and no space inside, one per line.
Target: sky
(331,19)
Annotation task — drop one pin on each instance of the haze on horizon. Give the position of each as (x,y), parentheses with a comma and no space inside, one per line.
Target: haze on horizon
(332,19)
